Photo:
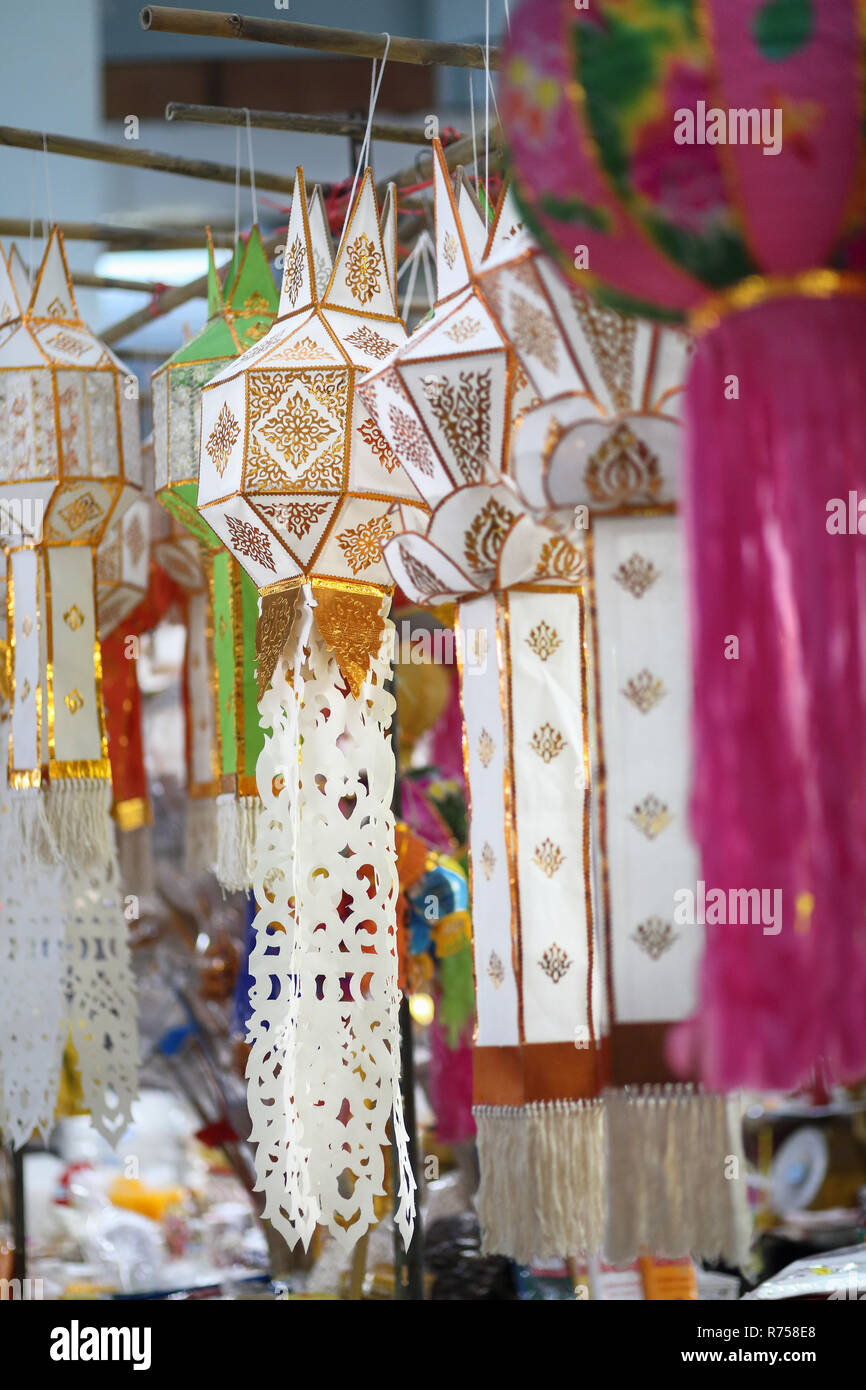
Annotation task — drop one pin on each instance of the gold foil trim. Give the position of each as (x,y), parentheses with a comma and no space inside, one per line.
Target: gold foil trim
(272,631)
(352,626)
(133,813)
(760,289)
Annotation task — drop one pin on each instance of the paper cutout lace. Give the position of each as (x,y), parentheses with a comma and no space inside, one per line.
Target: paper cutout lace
(324,1064)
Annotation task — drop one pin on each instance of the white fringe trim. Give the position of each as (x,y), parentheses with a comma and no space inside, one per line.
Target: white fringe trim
(78,811)
(26,833)
(542,1178)
(656,1170)
(200,836)
(676,1175)
(237,824)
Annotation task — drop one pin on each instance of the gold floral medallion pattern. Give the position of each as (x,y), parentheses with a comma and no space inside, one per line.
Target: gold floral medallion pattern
(222,439)
(299,518)
(296,429)
(421,575)
(651,816)
(483,540)
(301,350)
(362,544)
(611,339)
(561,560)
(496,970)
(623,470)
(547,742)
(462,411)
(644,690)
(250,541)
(411,442)
(68,344)
(293,273)
(363,268)
(463,329)
(378,445)
(486,748)
(555,963)
(636,575)
(549,857)
(543,640)
(654,936)
(369,341)
(488,860)
(534,332)
(80,512)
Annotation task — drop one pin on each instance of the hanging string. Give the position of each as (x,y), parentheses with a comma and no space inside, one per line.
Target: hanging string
(472,120)
(420,256)
(365,143)
(30,257)
(487,96)
(507,17)
(237,183)
(46,229)
(252,165)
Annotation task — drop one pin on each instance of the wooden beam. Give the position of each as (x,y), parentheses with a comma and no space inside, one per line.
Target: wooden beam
(296,121)
(123,238)
(105,153)
(352,43)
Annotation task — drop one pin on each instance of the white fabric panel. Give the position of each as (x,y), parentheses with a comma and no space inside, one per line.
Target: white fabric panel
(77,733)
(550,780)
(646,755)
(483,714)
(23,578)
(199,666)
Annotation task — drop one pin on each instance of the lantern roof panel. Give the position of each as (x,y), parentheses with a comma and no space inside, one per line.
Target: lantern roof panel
(360,278)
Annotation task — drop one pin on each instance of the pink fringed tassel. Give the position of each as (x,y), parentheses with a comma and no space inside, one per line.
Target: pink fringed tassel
(779,798)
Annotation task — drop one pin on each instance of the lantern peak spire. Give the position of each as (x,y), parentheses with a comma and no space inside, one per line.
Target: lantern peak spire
(53,296)
(10,308)
(320,240)
(20,276)
(454,261)
(360,281)
(389,237)
(508,225)
(298,288)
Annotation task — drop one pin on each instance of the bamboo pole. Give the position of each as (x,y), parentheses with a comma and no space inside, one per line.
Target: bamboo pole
(296,121)
(122,238)
(105,153)
(353,43)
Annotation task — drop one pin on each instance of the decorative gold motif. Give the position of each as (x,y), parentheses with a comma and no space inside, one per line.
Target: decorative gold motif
(549,857)
(27,625)
(250,541)
(352,626)
(547,742)
(222,439)
(369,341)
(272,629)
(623,470)
(483,540)
(488,860)
(296,429)
(411,443)
(555,963)
(636,574)
(561,560)
(644,690)
(362,544)
(299,518)
(651,816)
(486,748)
(655,937)
(83,509)
(301,350)
(496,971)
(421,575)
(463,329)
(136,542)
(363,268)
(73,701)
(534,332)
(25,689)
(73,617)
(57,309)
(449,249)
(462,411)
(543,640)
(68,344)
(293,273)
(378,445)
(611,339)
